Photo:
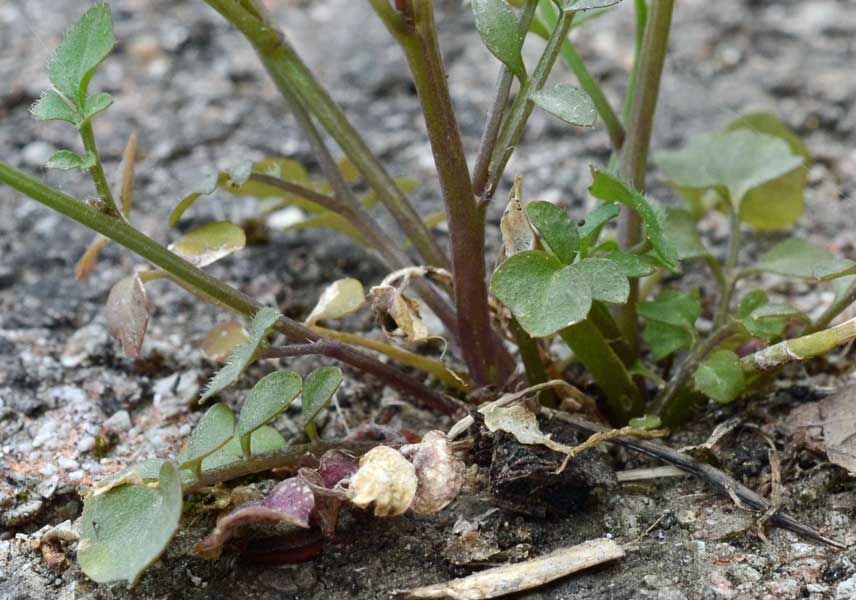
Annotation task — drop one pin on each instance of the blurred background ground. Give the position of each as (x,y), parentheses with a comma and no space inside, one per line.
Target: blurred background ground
(195,93)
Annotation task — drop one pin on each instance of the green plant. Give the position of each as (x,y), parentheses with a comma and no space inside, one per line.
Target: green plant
(556,276)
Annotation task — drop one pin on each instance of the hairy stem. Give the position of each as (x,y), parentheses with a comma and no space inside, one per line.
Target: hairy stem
(487,360)
(634,153)
(641,9)
(623,398)
(730,273)
(497,110)
(295,80)
(97,172)
(798,349)
(199,281)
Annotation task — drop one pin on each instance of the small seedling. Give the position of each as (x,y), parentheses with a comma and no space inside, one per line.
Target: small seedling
(558,276)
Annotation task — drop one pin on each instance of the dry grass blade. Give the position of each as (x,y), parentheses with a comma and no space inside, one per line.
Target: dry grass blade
(510,579)
(126,188)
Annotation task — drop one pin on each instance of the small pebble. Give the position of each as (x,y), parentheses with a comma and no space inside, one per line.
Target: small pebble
(120,421)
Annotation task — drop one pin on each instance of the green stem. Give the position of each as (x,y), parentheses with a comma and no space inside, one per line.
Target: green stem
(97,171)
(641,9)
(798,349)
(201,282)
(521,108)
(416,32)
(634,153)
(671,394)
(623,398)
(588,83)
(730,272)
(533,364)
(835,309)
(497,110)
(294,79)
(284,458)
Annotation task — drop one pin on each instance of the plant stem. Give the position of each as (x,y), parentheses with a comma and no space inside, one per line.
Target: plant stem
(588,83)
(641,9)
(533,364)
(798,349)
(285,458)
(199,281)
(521,108)
(730,274)
(386,250)
(97,172)
(679,380)
(294,79)
(634,153)
(497,110)
(392,376)
(435,368)
(835,309)
(486,358)
(623,398)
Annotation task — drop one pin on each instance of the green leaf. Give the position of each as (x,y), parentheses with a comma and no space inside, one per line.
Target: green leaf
(646,422)
(340,298)
(793,258)
(212,431)
(263,323)
(630,264)
(52,107)
(94,105)
(611,188)
(209,243)
(670,321)
(556,228)
(575,5)
(766,329)
(594,222)
(720,377)
(777,204)
(126,529)
(85,45)
(264,439)
(841,287)
(683,234)
(733,162)
(570,104)
(408,185)
(544,295)
(834,268)
(607,280)
(330,220)
(67,160)
(500,33)
(269,397)
(318,390)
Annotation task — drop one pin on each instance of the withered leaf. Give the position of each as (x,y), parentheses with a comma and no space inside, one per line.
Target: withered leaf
(386,479)
(128,313)
(439,473)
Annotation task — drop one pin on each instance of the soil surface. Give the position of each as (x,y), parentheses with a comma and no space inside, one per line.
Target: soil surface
(194,91)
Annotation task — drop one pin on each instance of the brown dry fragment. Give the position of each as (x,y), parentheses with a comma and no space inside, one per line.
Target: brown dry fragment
(223,339)
(386,478)
(509,579)
(128,313)
(517,233)
(439,472)
(838,414)
(397,314)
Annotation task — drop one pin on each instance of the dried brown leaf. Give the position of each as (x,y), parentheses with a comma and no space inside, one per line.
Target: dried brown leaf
(223,339)
(838,412)
(398,314)
(439,472)
(128,313)
(386,479)
(87,260)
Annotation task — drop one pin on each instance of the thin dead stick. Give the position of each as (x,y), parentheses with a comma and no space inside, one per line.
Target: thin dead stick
(510,579)
(712,476)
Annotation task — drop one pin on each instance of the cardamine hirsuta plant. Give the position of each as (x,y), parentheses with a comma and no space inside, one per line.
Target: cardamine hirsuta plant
(654,354)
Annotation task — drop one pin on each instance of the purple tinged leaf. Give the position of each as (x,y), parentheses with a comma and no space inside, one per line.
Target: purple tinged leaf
(291,501)
(336,466)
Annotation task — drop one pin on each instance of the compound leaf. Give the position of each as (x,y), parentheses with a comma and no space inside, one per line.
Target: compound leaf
(53,107)
(544,295)
(67,160)
(213,430)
